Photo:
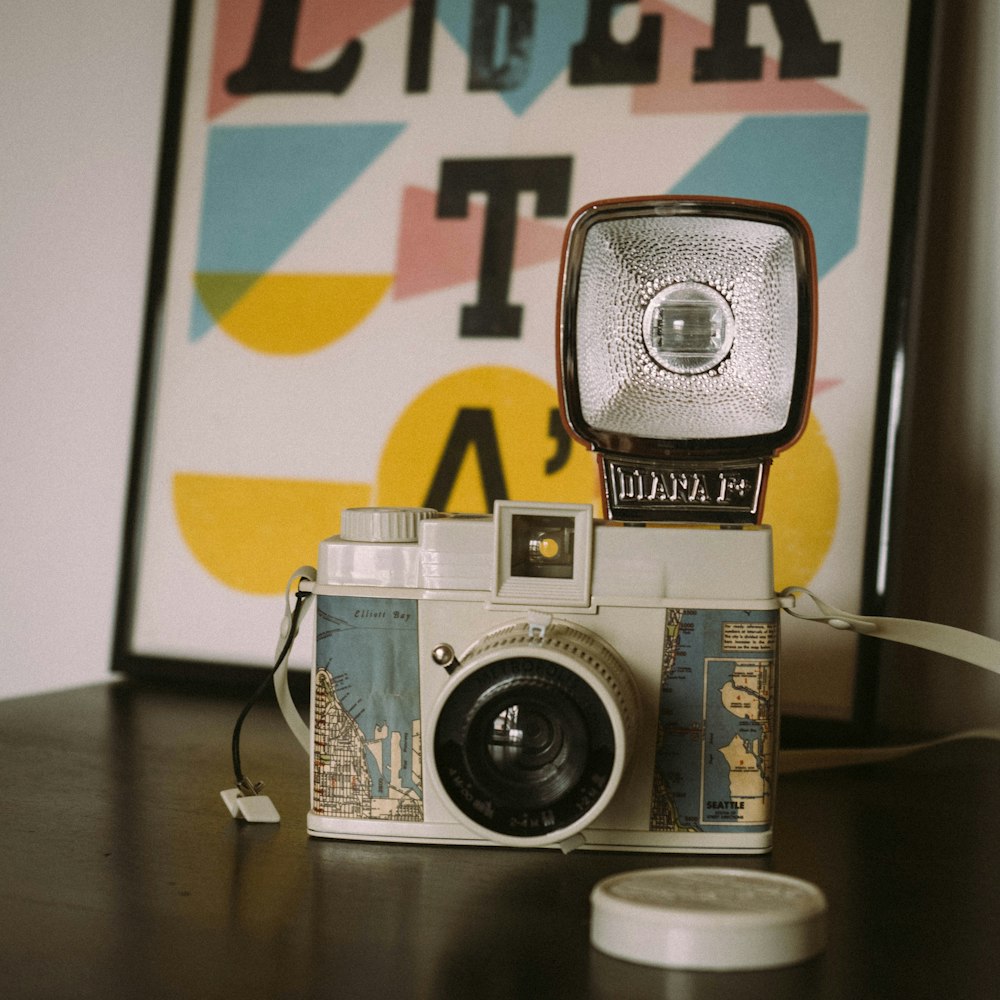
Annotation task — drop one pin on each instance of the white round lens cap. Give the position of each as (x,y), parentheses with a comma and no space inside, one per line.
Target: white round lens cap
(719,919)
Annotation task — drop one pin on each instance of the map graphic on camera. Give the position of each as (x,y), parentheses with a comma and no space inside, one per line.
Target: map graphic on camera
(367,752)
(715,733)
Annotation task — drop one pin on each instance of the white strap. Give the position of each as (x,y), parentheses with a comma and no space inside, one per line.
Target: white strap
(955,642)
(299,728)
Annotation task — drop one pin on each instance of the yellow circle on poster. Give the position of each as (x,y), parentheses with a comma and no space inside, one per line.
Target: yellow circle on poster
(801,505)
(480,435)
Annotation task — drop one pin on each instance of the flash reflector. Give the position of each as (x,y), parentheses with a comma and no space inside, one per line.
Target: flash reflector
(686,339)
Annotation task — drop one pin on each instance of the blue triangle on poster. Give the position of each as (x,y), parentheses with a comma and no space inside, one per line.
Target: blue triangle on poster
(266,185)
(813,163)
(558,27)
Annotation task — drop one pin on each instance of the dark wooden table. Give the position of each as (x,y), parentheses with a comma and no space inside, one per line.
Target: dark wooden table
(124,876)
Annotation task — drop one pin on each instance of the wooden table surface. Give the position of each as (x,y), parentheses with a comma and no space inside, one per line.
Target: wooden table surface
(124,876)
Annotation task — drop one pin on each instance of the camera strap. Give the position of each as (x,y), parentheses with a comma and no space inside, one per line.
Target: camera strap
(245,800)
(300,579)
(954,642)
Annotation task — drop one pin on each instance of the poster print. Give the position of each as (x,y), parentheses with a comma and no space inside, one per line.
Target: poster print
(353,296)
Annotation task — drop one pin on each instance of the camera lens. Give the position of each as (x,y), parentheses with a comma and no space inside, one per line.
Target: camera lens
(528,741)
(529,744)
(523,746)
(523,739)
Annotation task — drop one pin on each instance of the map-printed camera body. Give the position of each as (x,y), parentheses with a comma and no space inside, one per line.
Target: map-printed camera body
(539,678)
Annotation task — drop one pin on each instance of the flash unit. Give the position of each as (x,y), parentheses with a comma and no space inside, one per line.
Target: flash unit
(686,342)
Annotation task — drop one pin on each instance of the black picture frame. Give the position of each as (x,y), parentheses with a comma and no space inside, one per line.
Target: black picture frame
(900,323)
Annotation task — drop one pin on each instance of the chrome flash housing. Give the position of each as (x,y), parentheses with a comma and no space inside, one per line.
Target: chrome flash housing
(686,341)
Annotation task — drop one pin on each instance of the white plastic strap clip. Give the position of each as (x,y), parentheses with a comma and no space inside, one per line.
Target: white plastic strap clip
(538,624)
(255,808)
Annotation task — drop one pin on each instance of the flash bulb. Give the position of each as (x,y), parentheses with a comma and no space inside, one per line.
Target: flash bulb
(688,328)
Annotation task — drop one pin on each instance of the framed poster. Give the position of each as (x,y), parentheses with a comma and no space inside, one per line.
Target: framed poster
(353,285)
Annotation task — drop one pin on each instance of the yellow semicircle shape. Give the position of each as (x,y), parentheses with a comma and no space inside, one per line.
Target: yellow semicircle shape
(252,533)
(298,313)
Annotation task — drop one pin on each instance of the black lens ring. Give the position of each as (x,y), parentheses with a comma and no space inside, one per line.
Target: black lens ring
(545,795)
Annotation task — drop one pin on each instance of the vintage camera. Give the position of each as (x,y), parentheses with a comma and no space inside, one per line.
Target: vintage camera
(540,677)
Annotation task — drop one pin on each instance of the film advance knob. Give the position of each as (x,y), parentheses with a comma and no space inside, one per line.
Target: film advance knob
(383,524)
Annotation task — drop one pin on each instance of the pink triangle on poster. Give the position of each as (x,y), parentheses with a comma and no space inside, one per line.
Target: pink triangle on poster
(822,385)
(676,93)
(438,253)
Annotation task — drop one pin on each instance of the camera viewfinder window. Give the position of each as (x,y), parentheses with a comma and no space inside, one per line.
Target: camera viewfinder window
(541,546)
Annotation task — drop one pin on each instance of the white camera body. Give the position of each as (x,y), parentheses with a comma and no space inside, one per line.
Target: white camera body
(539,678)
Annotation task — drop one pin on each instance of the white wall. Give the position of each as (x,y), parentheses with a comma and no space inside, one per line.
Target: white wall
(81,86)
(81,91)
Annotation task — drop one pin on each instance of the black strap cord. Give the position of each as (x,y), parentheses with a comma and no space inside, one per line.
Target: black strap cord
(243,783)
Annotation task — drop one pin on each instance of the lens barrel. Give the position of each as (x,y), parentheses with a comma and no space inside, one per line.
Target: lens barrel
(530,736)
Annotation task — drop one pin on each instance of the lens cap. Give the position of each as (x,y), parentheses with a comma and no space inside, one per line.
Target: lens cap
(718,919)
